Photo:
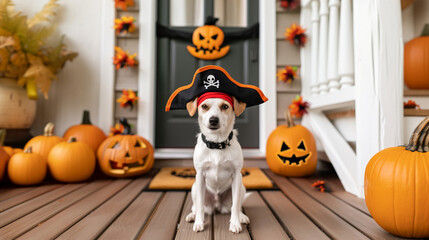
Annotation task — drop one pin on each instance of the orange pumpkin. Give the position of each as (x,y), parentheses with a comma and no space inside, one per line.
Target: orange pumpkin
(86,132)
(27,168)
(291,150)
(4,156)
(208,40)
(44,143)
(125,155)
(397,186)
(416,56)
(71,161)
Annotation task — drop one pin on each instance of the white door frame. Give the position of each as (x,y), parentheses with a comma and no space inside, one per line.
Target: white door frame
(147,75)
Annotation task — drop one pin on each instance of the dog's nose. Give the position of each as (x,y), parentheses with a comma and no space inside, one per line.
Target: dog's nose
(214,121)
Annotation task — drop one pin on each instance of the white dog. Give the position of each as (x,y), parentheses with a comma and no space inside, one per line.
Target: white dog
(218,182)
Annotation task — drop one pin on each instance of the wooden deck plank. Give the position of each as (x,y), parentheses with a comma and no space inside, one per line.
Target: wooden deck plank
(22,209)
(221,229)
(163,223)
(331,224)
(60,222)
(94,224)
(358,219)
(129,224)
(36,217)
(184,229)
(6,193)
(13,201)
(297,224)
(263,224)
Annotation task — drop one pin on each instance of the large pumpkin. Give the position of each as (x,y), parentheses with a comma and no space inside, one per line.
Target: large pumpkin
(208,40)
(4,156)
(71,161)
(44,143)
(125,155)
(27,168)
(86,132)
(416,57)
(397,186)
(291,150)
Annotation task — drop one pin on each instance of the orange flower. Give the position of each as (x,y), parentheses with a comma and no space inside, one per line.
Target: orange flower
(128,98)
(295,34)
(288,74)
(125,24)
(411,104)
(117,129)
(298,107)
(123,59)
(124,4)
(289,4)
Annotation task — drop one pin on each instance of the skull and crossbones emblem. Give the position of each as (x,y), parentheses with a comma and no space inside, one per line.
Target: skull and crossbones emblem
(211,82)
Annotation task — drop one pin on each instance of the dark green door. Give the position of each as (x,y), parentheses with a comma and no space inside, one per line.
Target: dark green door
(176,67)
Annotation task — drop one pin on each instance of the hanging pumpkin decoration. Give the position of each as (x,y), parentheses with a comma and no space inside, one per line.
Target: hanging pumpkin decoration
(208,41)
(291,150)
(4,156)
(397,186)
(125,24)
(86,132)
(127,99)
(44,143)
(71,161)
(125,155)
(295,34)
(27,168)
(416,57)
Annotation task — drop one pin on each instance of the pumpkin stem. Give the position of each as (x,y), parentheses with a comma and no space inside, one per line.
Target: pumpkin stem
(289,120)
(49,129)
(72,139)
(420,138)
(210,20)
(2,136)
(127,126)
(85,119)
(425,31)
(28,150)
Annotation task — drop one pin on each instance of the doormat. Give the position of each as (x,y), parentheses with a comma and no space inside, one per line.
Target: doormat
(182,178)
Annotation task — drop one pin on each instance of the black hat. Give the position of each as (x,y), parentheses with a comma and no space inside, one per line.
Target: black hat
(213,78)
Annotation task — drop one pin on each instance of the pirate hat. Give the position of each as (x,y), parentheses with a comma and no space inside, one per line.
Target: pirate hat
(213,78)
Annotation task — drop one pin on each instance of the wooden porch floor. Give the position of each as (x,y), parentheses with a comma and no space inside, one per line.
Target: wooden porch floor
(124,209)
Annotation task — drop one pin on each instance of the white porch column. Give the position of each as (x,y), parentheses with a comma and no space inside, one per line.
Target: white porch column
(333,78)
(323,46)
(314,46)
(346,55)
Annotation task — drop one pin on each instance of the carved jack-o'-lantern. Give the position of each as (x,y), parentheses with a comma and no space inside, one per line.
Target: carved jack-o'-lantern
(208,41)
(125,155)
(291,150)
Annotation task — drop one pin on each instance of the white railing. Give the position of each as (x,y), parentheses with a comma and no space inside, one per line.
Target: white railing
(331,38)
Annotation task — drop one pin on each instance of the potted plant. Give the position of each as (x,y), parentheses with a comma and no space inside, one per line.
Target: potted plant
(28,63)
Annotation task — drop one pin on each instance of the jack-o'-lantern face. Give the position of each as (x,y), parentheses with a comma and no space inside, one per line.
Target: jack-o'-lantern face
(207,42)
(292,156)
(125,156)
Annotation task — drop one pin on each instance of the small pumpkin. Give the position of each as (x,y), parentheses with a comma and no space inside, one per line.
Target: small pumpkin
(71,161)
(27,168)
(416,56)
(86,132)
(44,143)
(11,151)
(208,40)
(4,156)
(397,186)
(291,150)
(125,155)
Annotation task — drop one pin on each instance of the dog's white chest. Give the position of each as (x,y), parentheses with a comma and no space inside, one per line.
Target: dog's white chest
(218,174)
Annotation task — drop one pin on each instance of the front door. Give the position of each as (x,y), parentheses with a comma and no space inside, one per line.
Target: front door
(176,68)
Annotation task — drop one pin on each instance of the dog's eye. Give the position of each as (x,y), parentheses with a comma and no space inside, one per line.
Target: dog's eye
(205,107)
(224,106)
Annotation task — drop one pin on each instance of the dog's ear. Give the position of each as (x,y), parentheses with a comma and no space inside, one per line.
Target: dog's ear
(238,107)
(191,106)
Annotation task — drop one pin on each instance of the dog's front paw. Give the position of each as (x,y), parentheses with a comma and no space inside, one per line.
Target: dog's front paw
(198,227)
(244,219)
(235,227)
(190,217)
